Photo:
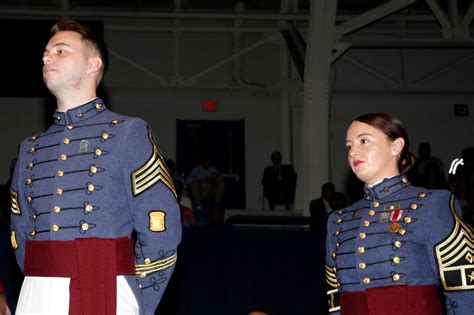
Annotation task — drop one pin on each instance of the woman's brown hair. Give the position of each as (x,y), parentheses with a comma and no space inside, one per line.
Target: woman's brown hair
(393,127)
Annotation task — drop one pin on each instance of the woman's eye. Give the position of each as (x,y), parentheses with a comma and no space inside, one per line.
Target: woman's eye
(348,147)
(364,141)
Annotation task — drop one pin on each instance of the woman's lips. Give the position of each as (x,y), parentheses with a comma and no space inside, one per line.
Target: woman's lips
(357,163)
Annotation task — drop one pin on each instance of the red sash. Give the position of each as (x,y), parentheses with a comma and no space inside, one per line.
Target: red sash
(392,300)
(92,264)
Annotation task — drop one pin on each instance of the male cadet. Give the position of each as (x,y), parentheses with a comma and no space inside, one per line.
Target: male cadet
(80,189)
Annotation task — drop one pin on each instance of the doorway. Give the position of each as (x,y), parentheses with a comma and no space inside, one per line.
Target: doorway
(224,142)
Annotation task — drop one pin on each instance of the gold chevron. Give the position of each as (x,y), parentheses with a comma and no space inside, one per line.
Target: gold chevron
(15,206)
(333,289)
(153,171)
(454,255)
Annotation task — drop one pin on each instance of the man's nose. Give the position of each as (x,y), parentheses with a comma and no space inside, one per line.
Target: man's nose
(46,60)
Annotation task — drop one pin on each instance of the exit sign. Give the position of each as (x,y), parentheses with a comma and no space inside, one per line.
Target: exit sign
(209,106)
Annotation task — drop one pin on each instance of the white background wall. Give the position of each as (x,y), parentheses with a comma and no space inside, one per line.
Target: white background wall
(390,85)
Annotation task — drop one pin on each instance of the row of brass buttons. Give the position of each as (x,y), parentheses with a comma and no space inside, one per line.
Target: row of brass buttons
(55,228)
(395,277)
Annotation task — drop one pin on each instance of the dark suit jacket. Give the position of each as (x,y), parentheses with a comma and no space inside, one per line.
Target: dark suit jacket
(280,189)
(318,214)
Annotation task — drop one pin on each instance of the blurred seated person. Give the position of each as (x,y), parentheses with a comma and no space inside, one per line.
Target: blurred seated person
(320,208)
(188,220)
(206,184)
(279,181)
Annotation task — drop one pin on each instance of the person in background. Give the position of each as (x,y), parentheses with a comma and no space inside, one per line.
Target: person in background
(279,182)
(79,191)
(206,184)
(400,246)
(320,208)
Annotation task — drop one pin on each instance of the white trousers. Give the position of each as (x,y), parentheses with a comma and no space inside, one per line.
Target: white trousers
(50,296)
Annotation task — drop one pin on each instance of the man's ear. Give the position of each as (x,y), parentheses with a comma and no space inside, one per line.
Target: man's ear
(95,64)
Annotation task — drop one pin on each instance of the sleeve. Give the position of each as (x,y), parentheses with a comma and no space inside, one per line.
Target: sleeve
(332,283)
(452,243)
(20,220)
(155,213)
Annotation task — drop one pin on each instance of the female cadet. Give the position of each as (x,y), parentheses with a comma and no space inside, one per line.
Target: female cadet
(395,250)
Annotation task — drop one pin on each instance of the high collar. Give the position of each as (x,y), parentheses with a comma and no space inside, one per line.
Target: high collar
(79,113)
(386,188)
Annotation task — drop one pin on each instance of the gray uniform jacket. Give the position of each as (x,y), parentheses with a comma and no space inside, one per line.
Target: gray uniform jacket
(98,174)
(399,234)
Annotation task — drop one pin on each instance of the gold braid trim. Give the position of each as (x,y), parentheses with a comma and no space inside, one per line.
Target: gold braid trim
(455,255)
(153,171)
(145,269)
(333,289)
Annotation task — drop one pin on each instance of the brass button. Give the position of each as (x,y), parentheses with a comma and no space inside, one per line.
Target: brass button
(105,135)
(33,232)
(338,232)
(366,280)
(362,235)
(98,106)
(63,157)
(34,217)
(34,137)
(55,228)
(421,195)
(340,211)
(366,223)
(90,187)
(60,173)
(413,206)
(98,152)
(402,231)
(362,265)
(59,191)
(93,169)
(143,275)
(339,221)
(88,207)
(396,260)
(33,149)
(407,219)
(375,204)
(396,277)
(66,141)
(147,261)
(29,166)
(333,255)
(338,244)
(57,209)
(29,181)
(361,249)
(29,199)
(371,212)
(69,126)
(84,226)
(405,180)
(397,244)
(114,122)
